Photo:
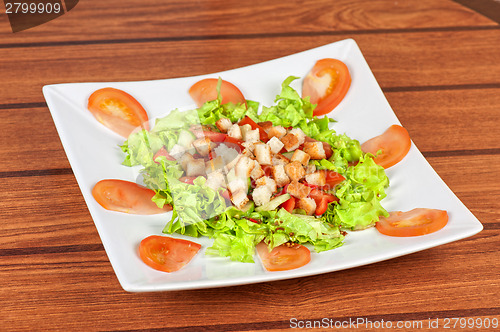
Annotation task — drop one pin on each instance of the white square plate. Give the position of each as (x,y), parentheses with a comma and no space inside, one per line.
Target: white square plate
(94,154)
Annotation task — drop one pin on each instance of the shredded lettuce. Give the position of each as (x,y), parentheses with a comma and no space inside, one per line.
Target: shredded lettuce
(201,211)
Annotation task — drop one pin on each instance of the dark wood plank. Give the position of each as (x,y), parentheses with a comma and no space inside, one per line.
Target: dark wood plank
(397,60)
(130,19)
(456,115)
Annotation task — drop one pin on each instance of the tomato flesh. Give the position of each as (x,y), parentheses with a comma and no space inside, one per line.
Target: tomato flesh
(415,222)
(118,111)
(127,197)
(394,145)
(167,254)
(326,84)
(206,90)
(284,257)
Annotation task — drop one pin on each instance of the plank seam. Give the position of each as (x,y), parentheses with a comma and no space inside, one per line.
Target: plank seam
(246,36)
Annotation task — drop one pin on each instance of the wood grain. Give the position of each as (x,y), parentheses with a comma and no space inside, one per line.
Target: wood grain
(437,63)
(422,59)
(129,19)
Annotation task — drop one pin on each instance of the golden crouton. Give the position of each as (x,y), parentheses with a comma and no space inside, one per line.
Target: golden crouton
(315,150)
(307,204)
(295,171)
(239,199)
(244,167)
(317,178)
(263,154)
(275,144)
(203,145)
(234,131)
(290,141)
(301,157)
(279,159)
(267,181)
(195,167)
(279,175)
(277,132)
(223,124)
(257,171)
(261,195)
(299,133)
(298,189)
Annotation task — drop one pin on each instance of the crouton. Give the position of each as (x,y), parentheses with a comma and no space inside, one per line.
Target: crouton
(244,167)
(252,136)
(244,129)
(214,164)
(299,133)
(295,171)
(230,164)
(307,204)
(195,167)
(215,180)
(228,154)
(268,182)
(279,175)
(247,153)
(234,131)
(185,159)
(290,141)
(239,199)
(223,124)
(315,150)
(277,131)
(298,189)
(248,146)
(279,159)
(261,195)
(263,153)
(317,178)
(266,125)
(203,146)
(177,151)
(257,171)
(236,185)
(301,157)
(275,144)
(310,168)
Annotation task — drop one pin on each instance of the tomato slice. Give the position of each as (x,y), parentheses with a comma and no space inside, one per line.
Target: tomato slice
(125,196)
(163,153)
(322,200)
(289,205)
(246,120)
(332,179)
(118,111)
(206,90)
(167,254)
(394,144)
(415,222)
(284,257)
(326,84)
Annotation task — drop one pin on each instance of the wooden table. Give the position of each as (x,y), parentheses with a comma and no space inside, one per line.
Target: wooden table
(437,63)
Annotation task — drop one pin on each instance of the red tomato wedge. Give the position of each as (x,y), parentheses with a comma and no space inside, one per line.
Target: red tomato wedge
(167,254)
(284,257)
(415,222)
(118,111)
(394,144)
(206,90)
(125,196)
(289,205)
(326,84)
(333,179)
(163,153)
